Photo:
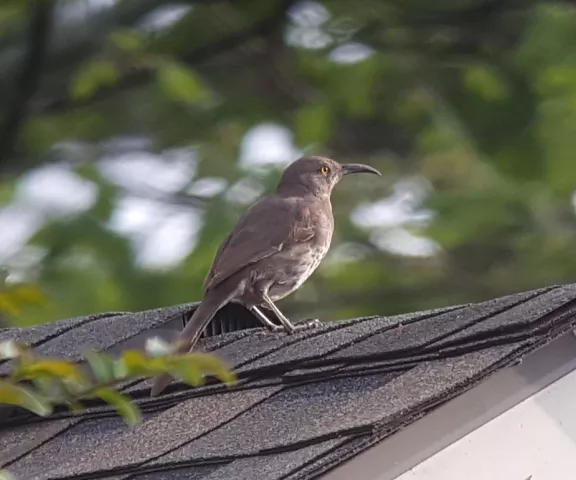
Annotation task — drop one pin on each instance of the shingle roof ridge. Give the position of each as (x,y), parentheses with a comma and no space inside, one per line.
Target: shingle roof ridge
(399,360)
(288,340)
(389,361)
(388,323)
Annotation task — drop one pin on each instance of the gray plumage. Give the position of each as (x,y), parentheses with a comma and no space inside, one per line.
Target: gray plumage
(273,249)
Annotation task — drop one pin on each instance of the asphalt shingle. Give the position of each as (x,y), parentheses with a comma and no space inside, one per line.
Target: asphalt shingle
(417,334)
(273,466)
(69,445)
(330,408)
(194,473)
(40,333)
(106,332)
(333,338)
(305,401)
(19,441)
(525,315)
(165,432)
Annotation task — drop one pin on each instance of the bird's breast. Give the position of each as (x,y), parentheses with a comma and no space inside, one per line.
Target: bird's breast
(294,270)
(298,263)
(296,260)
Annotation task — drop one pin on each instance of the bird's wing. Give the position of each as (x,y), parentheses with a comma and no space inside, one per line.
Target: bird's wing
(267,227)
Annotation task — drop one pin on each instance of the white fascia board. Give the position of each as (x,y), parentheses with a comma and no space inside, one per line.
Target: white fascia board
(535,439)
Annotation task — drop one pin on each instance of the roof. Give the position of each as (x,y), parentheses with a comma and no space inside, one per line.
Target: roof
(305,402)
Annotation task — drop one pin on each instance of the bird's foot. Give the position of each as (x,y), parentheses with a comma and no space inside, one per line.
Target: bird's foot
(291,328)
(273,328)
(277,328)
(303,325)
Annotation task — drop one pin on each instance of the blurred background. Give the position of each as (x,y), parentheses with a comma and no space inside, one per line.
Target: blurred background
(133,133)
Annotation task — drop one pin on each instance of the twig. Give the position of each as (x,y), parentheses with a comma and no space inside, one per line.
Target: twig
(29,78)
(201,54)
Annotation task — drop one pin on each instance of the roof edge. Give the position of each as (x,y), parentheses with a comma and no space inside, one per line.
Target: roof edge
(417,442)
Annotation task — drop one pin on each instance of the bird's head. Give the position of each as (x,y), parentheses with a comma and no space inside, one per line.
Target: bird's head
(318,175)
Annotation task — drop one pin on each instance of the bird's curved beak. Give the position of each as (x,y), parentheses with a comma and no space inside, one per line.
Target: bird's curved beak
(349,168)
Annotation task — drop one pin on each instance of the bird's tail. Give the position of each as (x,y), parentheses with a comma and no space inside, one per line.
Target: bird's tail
(189,337)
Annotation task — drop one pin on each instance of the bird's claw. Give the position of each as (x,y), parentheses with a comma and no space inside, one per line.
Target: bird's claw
(308,324)
(312,323)
(304,325)
(271,329)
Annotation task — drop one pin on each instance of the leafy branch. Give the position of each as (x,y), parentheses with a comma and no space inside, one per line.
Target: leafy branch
(39,384)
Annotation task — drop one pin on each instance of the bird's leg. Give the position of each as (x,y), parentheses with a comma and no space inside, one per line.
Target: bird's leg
(259,314)
(288,326)
(283,320)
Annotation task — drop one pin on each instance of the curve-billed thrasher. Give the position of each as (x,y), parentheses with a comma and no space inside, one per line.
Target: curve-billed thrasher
(274,248)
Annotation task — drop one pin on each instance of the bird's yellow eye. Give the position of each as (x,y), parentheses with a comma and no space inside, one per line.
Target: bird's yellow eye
(324,170)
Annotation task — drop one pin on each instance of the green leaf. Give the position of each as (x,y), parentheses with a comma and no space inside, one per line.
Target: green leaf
(125,407)
(559,79)
(54,368)
(126,40)
(44,384)
(207,363)
(11,394)
(92,77)
(313,124)
(7,192)
(189,372)
(136,363)
(486,83)
(102,366)
(14,299)
(120,369)
(9,15)
(72,386)
(6,475)
(28,294)
(181,83)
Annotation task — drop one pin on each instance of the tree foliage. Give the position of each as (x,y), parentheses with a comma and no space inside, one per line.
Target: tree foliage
(466,107)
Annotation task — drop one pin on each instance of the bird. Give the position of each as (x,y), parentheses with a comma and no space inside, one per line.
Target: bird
(273,249)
